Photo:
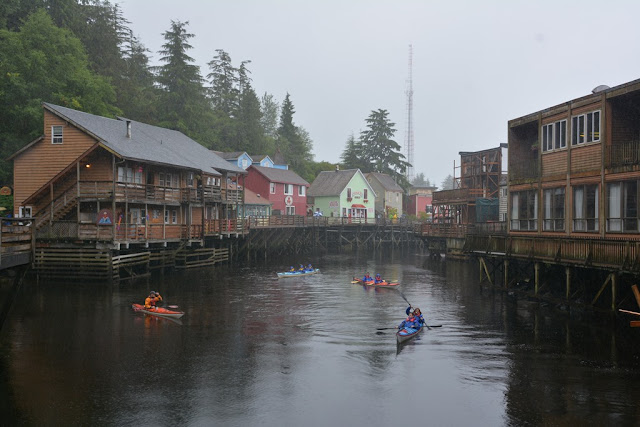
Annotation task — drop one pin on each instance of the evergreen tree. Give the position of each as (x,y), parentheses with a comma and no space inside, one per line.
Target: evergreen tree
(270,111)
(448,183)
(224,84)
(419,181)
(183,103)
(28,78)
(293,140)
(352,156)
(137,95)
(380,150)
(250,132)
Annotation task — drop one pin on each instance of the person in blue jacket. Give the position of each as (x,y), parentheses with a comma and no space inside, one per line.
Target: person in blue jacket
(367,278)
(414,319)
(309,267)
(378,279)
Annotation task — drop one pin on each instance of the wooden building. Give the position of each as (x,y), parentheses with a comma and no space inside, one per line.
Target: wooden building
(389,195)
(475,196)
(343,193)
(574,168)
(116,183)
(419,202)
(284,188)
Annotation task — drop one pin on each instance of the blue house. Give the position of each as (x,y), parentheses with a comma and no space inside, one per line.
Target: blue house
(237,158)
(262,160)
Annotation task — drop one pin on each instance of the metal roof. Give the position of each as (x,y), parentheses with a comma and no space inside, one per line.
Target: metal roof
(147,143)
(331,183)
(285,176)
(388,183)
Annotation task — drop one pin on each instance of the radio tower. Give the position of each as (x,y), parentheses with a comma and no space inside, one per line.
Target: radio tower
(408,143)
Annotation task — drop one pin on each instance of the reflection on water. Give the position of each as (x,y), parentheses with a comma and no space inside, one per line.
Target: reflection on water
(313,350)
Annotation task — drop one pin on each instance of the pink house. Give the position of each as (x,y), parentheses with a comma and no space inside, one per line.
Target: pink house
(282,187)
(420,201)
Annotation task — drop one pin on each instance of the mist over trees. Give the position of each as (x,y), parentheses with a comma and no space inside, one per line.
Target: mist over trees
(107,71)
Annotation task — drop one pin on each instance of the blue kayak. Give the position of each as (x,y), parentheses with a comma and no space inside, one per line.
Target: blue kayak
(298,273)
(405,334)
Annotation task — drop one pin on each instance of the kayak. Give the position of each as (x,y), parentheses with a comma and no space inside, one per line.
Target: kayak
(406,334)
(158,311)
(298,273)
(383,284)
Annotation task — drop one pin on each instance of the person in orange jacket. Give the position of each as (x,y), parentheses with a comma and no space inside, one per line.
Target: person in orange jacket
(152,299)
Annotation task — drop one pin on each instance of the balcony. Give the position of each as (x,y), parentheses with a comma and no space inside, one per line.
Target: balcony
(625,154)
(523,170)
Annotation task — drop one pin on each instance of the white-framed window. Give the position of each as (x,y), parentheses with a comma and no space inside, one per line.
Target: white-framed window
(622,207)
(245,163)
(585,128)
(585,207)
(290,210)
(553,206)
(301,190)
(272,187)
(171,216)
(524,210)
(56,134)
(190,179)
(25,212)
(288,189)
(554,136)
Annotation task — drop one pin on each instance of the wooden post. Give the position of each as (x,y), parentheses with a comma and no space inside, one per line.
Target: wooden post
(614,281)
(506,273)
(567,271)
(536,269)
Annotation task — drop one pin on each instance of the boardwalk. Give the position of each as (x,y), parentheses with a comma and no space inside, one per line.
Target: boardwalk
(15,243)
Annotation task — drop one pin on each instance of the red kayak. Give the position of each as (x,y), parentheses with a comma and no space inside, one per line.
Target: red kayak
(372,283)
(158,311)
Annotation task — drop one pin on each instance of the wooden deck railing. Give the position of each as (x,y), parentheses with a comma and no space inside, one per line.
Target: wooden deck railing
(15,241)
(627,153)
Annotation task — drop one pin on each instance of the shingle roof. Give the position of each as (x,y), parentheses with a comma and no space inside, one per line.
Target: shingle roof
(386,181)
(285,176)
(259,157)
(331,183)
(251,198)
(147,143)
(230,156)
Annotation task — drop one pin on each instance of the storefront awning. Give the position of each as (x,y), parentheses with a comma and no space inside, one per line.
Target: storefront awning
(358,206)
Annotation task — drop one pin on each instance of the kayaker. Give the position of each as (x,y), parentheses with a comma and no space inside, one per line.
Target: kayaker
(150,301)
(367,278)
(291,269)
(411,321)
(301,268)
(378,279)
(418,315)
(158,298)
(309,268)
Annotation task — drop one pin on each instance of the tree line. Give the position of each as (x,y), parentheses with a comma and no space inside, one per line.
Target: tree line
(82,54)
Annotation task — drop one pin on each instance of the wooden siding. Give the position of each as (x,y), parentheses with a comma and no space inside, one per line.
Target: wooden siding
(37,165)
(586,158)
(101,168)
(554,163)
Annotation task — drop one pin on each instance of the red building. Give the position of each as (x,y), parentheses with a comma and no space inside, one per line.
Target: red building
(419,201)
(284,188)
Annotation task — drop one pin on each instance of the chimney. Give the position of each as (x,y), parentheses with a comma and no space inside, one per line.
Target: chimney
(129,129)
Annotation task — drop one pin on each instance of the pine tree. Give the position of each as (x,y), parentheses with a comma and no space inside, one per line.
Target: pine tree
(293,140)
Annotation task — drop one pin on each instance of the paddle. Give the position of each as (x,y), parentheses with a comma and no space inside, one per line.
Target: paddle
(428,326)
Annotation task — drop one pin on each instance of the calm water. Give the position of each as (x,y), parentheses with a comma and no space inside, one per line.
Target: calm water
(255,350)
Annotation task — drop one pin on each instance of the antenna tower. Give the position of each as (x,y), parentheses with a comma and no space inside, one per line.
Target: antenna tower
(408,143)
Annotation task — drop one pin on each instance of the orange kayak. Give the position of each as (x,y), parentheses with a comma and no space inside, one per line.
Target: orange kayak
(158,311)
(383,284)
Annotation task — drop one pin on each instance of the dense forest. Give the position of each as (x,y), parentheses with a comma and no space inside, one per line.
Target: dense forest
(82,54)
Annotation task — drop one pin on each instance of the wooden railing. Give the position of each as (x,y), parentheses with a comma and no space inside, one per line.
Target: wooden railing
(15,241)
(60,204)
(523,170)
(588,252)
(625,154)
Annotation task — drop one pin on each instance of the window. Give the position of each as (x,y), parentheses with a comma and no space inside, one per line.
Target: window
(56,134)
(168,180)
(554,136)
(524,210)
(365,192)
(171,216)
(288,189)
(127,174)
(585,208)
(272,188)
(553,209)
(190,179)
(349,193)
(245,163)
(622,206)
(585,128)
(301,190)
(25,212)
(290,210)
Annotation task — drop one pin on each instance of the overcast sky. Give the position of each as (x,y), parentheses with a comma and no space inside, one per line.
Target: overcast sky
(476,64)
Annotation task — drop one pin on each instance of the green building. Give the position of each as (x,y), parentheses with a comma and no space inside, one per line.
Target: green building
(342,194)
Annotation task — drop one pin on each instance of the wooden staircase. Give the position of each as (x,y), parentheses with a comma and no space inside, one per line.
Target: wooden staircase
(61,207)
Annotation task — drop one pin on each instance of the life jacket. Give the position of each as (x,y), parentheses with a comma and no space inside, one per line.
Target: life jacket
(149,302)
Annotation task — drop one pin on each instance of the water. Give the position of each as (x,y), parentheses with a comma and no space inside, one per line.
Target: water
(255,350)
